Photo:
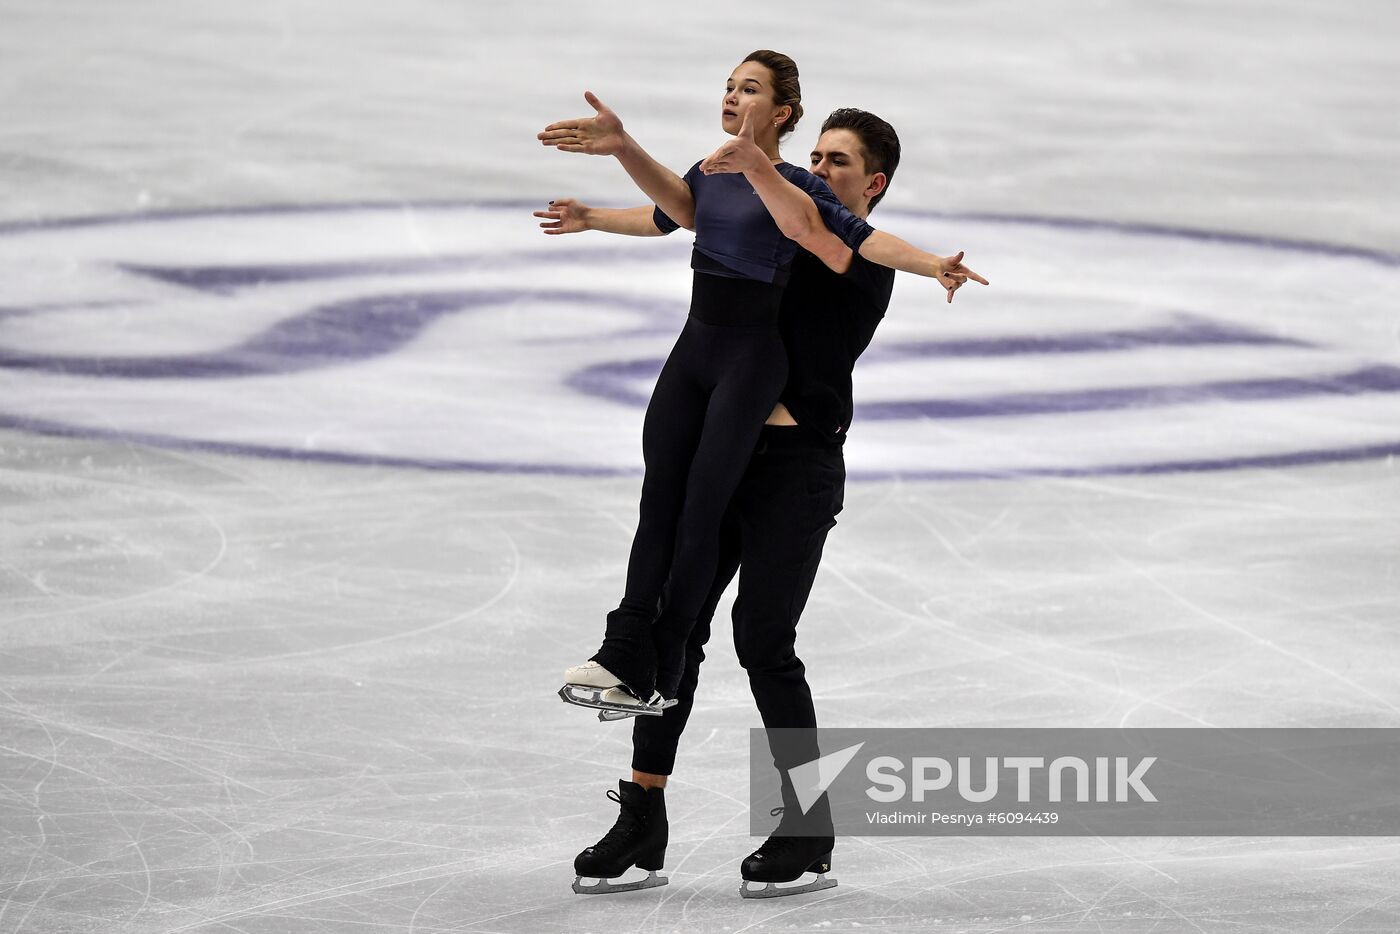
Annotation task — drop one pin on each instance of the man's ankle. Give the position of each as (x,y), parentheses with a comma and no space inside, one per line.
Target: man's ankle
(648,780)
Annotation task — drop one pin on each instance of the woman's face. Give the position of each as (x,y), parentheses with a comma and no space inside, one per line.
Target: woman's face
(750,87)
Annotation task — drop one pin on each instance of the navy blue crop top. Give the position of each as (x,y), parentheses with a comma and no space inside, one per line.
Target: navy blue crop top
(733,228)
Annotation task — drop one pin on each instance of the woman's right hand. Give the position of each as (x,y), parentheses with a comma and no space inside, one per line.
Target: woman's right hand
(565,215)
(599,135)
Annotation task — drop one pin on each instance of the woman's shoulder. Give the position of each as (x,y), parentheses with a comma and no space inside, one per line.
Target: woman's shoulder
(801,177)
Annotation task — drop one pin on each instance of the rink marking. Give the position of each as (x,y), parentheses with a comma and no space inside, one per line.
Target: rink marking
(1307,458)
(1196,234)
(337,333)
(332,334)
(614,381)
(1376,379)
(228,280)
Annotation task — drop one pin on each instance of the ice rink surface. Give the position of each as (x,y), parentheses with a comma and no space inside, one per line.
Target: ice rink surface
(318,463)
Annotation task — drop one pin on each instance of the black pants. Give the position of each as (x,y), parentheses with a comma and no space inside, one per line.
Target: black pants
(774,528)
(722,378)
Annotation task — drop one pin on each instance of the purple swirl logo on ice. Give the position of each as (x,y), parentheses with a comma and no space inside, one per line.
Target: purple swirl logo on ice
(456,336)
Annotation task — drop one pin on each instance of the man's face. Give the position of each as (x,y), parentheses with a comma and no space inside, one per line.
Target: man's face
(839,160)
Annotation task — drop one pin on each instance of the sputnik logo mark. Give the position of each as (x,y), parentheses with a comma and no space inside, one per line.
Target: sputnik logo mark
(810,780)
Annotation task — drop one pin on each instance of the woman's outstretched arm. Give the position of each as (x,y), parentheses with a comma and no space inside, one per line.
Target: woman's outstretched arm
(569,215)
(603,135)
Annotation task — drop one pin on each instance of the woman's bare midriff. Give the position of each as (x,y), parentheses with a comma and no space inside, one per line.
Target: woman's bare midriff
(780,416)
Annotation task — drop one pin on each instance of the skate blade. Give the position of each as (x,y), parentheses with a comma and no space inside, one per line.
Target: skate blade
(608,887)
(608,716)
(773,889)
(582,695)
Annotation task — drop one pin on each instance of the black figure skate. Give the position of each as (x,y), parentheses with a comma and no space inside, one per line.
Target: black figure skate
(802,844)
(637,839)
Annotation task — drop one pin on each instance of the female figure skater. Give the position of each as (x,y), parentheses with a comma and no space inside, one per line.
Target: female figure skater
(724,374)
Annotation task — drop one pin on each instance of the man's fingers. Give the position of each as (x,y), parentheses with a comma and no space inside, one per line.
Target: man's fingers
(963,270)
(746,128)
(555,215)
(717,161)
(593,101)
(951,283)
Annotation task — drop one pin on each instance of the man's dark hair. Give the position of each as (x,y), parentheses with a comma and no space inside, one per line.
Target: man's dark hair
(877,137)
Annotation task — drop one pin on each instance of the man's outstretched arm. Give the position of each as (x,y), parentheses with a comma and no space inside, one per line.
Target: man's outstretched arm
(797,215)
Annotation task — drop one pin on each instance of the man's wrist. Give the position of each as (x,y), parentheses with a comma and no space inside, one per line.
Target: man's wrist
(628,149)
(760,169)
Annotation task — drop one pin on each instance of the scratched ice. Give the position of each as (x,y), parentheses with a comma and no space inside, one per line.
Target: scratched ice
(318,462)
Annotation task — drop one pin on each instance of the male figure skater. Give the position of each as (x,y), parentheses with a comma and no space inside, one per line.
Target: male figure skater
(777,522)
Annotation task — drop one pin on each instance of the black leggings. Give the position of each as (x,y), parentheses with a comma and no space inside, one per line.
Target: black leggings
(719,384)
(775,526)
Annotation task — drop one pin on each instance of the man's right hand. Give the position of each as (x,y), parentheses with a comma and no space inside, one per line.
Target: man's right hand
(565,215)
(954,274)
(600,135)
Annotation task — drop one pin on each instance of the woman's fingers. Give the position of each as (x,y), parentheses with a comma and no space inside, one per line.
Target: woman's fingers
(563,126)
(561,136)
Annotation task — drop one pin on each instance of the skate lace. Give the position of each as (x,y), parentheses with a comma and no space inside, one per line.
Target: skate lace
(628,821)
(779,841)
(776,845)
(782,839)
